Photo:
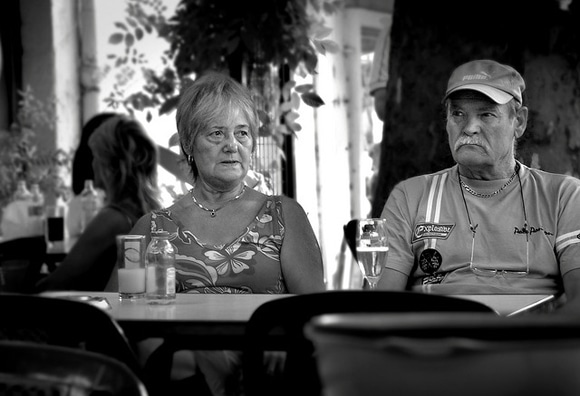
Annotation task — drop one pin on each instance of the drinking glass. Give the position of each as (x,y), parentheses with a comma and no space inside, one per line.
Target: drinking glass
(371,248)
(131,266)
(54,232)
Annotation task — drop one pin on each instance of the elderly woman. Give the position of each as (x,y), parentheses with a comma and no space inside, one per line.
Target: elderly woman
(125,167)
(230,238)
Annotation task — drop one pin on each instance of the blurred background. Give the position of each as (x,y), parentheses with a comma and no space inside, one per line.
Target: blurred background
(309,63)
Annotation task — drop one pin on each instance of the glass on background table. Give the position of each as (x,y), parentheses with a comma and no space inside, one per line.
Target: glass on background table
(371,248)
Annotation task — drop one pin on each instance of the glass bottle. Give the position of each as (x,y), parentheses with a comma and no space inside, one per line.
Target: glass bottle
(37,201)
(36,210)
(22,193)
(90,204)
(160,263)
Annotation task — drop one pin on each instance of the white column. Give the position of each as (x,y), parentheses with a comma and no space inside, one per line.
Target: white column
(89,64)
(352,53)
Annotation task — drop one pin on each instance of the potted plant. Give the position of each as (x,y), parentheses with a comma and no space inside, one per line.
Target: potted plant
(20,157)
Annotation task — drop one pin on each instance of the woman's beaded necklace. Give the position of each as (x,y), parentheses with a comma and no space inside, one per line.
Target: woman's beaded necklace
(212,212)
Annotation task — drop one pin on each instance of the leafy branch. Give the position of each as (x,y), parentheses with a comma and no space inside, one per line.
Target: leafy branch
(213,35)
(20,157)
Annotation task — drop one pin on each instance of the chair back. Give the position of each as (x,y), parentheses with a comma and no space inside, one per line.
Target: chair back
(68,323)
(38,369)
(283,321)
(350,235)
(451,354)
(20,263)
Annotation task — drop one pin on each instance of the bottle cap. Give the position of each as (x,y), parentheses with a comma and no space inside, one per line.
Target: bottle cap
(160,233)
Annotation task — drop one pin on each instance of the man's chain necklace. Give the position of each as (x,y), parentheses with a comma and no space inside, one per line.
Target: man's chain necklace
(480,195)
(212,212)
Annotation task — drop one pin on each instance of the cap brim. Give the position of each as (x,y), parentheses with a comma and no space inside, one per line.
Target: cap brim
(498,96)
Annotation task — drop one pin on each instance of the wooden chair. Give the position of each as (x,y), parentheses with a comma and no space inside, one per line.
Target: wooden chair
(285,318)
(39,369)
(451,354)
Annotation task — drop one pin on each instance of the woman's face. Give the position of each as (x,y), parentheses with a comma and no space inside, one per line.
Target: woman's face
(223,151)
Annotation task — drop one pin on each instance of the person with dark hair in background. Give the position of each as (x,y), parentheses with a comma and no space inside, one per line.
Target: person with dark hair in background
(82,170)
(125,167)
(83,158)
(489,224)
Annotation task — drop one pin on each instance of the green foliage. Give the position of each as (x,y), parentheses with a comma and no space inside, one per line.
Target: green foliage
(21,159)
(218,35)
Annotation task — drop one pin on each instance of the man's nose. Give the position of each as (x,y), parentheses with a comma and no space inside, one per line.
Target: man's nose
(471,126)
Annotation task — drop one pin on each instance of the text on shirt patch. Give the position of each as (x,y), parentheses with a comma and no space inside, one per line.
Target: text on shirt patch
(432,230)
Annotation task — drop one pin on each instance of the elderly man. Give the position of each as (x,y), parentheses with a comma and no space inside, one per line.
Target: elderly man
(489,224)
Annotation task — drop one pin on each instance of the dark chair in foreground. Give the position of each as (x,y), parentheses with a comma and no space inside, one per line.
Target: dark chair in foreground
(450,354)
(38,369)
(283,319)
(20,263)
(63,322)
(350,235)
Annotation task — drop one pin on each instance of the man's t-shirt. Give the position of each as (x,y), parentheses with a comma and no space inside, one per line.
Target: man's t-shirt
(430,239)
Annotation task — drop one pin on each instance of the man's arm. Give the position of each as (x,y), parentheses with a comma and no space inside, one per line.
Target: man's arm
(392,280)
(400,253)
(572,289)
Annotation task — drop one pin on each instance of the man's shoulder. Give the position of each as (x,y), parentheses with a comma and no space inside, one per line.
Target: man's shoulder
(425,180)
(551,179)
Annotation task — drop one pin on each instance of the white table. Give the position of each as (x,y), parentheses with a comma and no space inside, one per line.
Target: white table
(210,321)
(512,304)
(217,321)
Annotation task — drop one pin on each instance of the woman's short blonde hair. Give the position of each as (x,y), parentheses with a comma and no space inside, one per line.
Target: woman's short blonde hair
(203,101)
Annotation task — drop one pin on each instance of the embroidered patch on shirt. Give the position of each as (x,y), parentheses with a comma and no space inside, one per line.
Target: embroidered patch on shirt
(434,279)
(432,230)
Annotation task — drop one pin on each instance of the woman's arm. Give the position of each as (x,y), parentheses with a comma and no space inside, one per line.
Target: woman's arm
(300,257)
(91,260)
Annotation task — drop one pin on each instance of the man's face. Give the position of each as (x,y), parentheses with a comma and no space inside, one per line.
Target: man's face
(481,132)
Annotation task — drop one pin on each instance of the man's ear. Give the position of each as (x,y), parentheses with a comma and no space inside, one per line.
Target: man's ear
(521,122)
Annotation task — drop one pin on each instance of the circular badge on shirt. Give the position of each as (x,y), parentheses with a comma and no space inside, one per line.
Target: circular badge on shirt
(430,260)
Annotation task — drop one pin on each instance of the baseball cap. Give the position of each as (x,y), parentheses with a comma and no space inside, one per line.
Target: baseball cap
(501,83)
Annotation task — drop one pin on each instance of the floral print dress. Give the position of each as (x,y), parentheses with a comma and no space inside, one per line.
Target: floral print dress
(248,264)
